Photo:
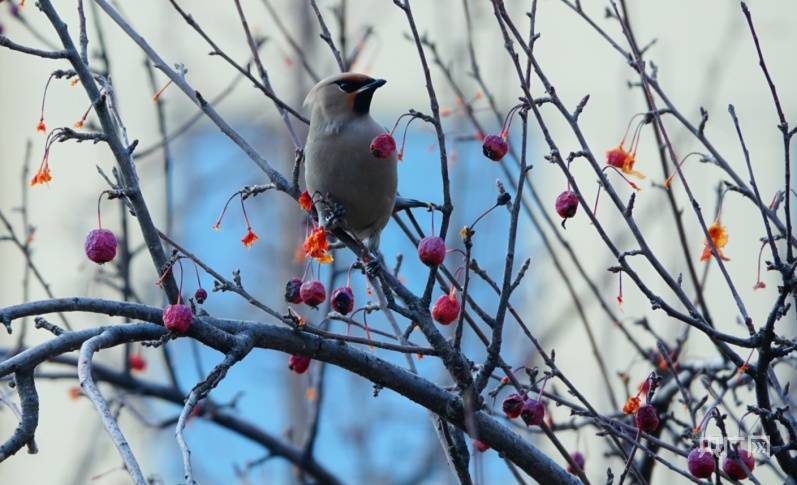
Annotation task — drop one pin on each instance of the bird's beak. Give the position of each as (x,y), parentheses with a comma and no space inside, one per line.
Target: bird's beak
(372,86)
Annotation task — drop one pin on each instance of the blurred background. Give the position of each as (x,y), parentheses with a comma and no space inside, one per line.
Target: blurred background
(705,58)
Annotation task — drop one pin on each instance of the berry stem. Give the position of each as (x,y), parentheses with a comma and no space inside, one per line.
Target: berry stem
(44,97)
(675,171)
(758,283)
(99,201)
(180,290)
(196,269)
(627,128)
(217,224)
(243,209)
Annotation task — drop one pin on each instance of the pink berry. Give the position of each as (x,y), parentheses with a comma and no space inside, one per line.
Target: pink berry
(383,145)
(701,463)
(512,405)
(177,318)
(446,309)
(481,446)
(137,362)
(432,250)
(342,300)
(647,419)
(567,204)
(733,466)
(200,295)
(494,147)
(100,246)
(292,291)
(313,293)
(298,363)
(578,459)
(533,412)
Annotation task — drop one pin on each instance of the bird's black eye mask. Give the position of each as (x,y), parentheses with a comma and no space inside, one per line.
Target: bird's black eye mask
(349,85)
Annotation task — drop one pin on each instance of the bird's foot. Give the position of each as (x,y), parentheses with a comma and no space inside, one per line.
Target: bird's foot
(373,264)
(333,216)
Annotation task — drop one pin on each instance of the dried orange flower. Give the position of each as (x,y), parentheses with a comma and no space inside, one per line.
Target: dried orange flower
(43,176)
(249,238)
(75,392)
(316,246)
(719,238)
(305,201)
(41,127)
(631,406)
(74,81)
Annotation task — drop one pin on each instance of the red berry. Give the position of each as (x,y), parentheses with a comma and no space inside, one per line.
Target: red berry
(567,204)
(446,308)
(432,250)
(137,362)
(177,318)
(494,147)
(292,291)
(616,157)
(533,412)
(647,419)
(313,292)
(100,246)
(733,466)
(200,295)
(578,459)
(298,363)
(383,145)
(342,300)
(701,463)
(512,405)
(480,445)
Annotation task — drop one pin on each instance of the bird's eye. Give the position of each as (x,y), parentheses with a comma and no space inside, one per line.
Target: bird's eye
(347,86)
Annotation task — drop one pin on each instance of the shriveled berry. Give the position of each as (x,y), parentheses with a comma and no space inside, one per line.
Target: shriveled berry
(512,405)
(481,446)
(200,295)
(298,363)
(137,362)
(383,145)
(616,157)
(533,412)
(494,147)
(701,463)
(647,419)
(100,246)
(567,204)
(432,250)
(578,459)
(733,466)
(342,300)
(446,309)
(313,292)
(177,318)
(292,291)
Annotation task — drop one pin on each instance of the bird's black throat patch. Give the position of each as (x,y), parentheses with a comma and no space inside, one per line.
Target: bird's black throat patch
(362,101)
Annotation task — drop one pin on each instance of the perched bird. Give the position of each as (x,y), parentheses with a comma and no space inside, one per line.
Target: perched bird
(339,166)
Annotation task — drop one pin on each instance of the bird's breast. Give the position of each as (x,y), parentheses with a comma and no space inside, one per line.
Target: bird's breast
(338,163)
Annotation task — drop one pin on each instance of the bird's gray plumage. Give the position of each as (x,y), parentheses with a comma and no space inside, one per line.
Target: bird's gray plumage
(338,161)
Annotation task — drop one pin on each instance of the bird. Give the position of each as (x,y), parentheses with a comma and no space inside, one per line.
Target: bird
(340,170)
